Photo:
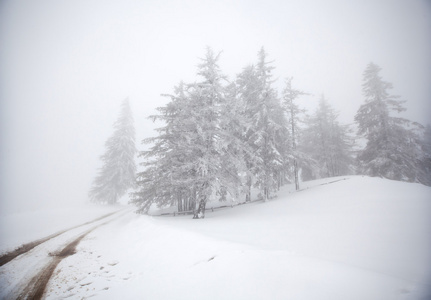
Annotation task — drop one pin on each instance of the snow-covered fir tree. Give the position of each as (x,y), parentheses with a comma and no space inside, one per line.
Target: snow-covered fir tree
(196,156)
(167,175)
(293,114)
(425,161)
(118,172)
(327,143)
(282,138)
(247,89)
(266,123)
(392,149)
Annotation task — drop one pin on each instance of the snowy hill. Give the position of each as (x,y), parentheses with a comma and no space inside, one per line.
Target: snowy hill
(361,238)
(358,238)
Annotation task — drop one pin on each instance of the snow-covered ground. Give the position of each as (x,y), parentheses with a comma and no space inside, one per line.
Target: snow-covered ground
(23,227)
(359,238)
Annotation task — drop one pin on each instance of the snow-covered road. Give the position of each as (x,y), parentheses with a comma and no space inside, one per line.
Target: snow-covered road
(25,271)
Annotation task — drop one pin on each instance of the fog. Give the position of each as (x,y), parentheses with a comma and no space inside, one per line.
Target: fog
(65,67)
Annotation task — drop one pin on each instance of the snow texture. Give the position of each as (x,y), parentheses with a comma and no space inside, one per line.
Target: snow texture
(338,238)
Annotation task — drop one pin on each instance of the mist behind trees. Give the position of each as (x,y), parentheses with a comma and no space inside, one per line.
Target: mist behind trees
(66,67)
(222,138)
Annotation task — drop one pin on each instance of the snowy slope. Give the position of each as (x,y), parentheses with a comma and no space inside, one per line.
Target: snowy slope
(360,238)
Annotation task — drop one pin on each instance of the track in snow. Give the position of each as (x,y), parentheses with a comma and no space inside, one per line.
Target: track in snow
(34,287)
(7,257)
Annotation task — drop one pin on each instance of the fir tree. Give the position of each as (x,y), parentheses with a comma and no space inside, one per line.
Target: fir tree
(167,175)
(293,116)
(425,160)
(264,114)
(327,143)
(118,172)
(391,150)
(197,154)
(247,89)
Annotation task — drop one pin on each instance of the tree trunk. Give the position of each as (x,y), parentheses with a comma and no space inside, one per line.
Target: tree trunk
(265,194)
(192,200)
(248,194)
(199,211)
(179,202)
(295,170)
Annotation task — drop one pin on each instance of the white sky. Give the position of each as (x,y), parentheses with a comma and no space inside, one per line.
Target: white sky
(65,67)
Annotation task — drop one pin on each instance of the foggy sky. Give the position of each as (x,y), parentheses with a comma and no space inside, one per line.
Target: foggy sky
(65,67)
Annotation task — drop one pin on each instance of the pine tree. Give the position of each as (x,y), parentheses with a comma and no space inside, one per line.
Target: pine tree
(264,113)
(118,172)
(425,157)
(167,175)
(391,150)
(293,114)
(327,143)
(216,160)
(197,154)
(247,89)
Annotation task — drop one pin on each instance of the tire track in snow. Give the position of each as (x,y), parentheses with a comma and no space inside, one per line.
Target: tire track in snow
(7,257)
(35,288)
